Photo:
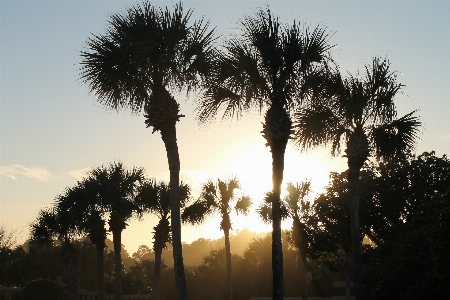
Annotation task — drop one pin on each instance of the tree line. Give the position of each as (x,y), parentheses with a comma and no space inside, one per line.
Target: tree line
(405,213)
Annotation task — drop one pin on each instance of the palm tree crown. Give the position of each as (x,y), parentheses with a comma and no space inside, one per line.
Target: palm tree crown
(144,53)
(359,111)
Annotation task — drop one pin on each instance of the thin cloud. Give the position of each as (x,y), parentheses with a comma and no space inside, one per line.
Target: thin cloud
(446,137)
(79,174)
(18,170)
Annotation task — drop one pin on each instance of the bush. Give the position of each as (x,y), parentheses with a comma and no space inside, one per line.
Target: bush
(43,289)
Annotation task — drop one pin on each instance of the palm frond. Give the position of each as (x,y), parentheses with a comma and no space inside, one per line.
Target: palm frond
(195,213)
(395,139)
(381,87)
(243,204)
(315,126)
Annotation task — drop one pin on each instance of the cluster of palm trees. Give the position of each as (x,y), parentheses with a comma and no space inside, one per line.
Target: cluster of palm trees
(112,195)
(286,71)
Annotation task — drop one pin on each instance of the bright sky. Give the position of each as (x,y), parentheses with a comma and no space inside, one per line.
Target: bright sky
(52,130)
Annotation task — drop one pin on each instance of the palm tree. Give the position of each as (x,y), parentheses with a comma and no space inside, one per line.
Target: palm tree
(266,67)
(219,198)
(117,189)
(359,113)
(154,198)
(297,207)
(145,54)
(53,224)
(83,201)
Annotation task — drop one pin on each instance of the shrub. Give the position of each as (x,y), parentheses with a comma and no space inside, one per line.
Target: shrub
(43,289)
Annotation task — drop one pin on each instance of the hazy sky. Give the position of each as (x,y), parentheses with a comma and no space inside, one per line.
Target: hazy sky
(52,130)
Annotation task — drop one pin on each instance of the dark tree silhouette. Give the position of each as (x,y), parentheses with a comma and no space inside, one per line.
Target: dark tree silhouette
(117,188)
(154,198)
(359,113)
(219,198)
(53,224)
(84,201)
(266,68)
(146,53)
(295,206)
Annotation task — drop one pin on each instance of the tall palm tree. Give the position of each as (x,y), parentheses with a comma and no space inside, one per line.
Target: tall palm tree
(295,206)
(144,55)
(219,198)
(154,198)
(117,188)
(54,224)
(266,68)
(83,201)
(359,113)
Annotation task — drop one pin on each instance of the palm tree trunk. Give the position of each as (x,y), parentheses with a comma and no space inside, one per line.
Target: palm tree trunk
(157,275)
(70,267)
(228,256)
(101,293)
(304,278)
(117,240)
(168,135)
(277,129)
(353,188)
(277,250)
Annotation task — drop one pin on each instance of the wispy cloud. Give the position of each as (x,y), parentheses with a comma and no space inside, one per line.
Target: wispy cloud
(79,174)
(446,137)
(18,170)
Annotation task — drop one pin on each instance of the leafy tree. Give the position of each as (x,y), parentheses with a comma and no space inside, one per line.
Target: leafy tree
(328,228)
(116,187)
(146,53)
(154,198)
(219,198)
(54,224)
(361,114)
(410,228)
(266,68)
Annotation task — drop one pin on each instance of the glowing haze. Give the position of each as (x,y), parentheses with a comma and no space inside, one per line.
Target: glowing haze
(53,131)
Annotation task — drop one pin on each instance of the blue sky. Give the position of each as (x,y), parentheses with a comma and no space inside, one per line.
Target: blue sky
(52,130)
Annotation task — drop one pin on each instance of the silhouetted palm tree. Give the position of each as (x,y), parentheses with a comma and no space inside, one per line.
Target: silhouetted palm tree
(297,207)
(359,113)
(146,53)
(53,224)
(219,198)
(266,68)
(154,198)
(83,200)
(117,188)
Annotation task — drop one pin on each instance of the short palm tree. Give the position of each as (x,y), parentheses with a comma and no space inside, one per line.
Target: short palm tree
(154,198)
(295,206)
(359,113)
(266,68)
(144,55)
(54,224)
(117,188)
(219,198)
(83,200)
